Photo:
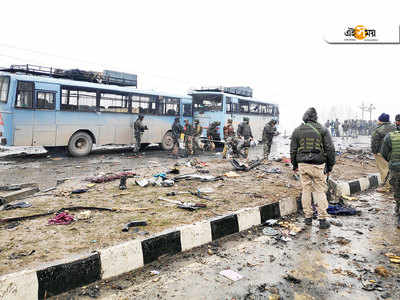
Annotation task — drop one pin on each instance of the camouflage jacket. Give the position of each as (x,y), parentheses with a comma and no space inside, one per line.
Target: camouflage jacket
(379,134)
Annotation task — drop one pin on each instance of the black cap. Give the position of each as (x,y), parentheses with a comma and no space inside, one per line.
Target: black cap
(397,118)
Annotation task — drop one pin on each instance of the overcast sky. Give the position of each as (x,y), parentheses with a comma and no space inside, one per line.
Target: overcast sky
(276,47)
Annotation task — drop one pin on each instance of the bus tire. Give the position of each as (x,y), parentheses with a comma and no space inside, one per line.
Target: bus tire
(80,144)
(167,141)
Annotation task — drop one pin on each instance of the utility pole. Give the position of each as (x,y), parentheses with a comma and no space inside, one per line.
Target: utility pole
(363,109)
(370,109)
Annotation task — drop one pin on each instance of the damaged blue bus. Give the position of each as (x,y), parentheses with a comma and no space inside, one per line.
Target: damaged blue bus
(223,103)
(47,107)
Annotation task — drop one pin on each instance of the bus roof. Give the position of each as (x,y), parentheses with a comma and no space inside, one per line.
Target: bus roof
(93,85)
(232,96)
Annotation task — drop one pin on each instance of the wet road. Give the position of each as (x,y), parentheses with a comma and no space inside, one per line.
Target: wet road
(329,264)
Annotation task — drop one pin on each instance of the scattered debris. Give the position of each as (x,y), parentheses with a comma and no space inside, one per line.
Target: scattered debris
(292,279)
(133,224)
(154,272)
(84,215)
(110,177)
(342,210)
(242,166)
(231,174)
(270,231)
(91,291)
(167,183)
(62,219)
(393,258)
(348,198)
(17,255)
(122,183)
(79,191)
(382,271)
(204,178)
(336,223)
(142,182)
(342,241)
(17,205)
(232,275)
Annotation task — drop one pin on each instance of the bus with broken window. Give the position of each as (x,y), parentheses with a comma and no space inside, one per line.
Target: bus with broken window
(51,107)
(222,103)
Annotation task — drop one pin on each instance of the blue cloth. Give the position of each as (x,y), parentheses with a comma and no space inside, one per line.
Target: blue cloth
(162,175)
(340,210)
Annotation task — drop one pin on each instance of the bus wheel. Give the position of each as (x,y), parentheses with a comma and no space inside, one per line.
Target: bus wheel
(80,144)
(167,142)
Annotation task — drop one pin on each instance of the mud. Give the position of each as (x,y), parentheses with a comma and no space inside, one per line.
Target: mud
(102,229)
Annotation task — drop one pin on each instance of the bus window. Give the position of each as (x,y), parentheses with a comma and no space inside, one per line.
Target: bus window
(263,109)
(254,108)
(171,106)
(243,106)
(78,100)
(113,103)
(187,110)
(4,85)
(135,104)
(45,100)
(207,102)
(228,105)
(25,94)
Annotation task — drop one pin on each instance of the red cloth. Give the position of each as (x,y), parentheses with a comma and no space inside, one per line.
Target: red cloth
(61,219)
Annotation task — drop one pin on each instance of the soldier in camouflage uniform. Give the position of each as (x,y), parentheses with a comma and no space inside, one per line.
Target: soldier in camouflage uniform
(244,133)
(311,147)
(212,134)
(390,150)
(176,131)
(268,134)
(139,128)
(197,131)
(384,127)
(229,134)
(188,139)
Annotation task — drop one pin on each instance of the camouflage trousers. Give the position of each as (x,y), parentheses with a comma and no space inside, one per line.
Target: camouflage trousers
(189,145)
(267,149)
(197,146)
(138,141)
(395,182)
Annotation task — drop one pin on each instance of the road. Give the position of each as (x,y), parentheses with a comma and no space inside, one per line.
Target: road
(328,264)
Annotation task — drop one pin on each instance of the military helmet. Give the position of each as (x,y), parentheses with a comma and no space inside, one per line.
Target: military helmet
(196,121)
(246,119)
(229,120)
(397,118)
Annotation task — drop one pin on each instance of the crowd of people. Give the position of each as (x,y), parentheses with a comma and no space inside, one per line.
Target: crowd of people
(351,127)
(236,144)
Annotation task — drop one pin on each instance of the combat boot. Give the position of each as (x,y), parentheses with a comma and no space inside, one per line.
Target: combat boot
(324,224)
(308,221)
(397,208)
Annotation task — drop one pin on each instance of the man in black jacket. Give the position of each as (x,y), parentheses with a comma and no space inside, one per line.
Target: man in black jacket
(311,147)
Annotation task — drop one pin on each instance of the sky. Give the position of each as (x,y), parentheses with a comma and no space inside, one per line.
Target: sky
(275,47)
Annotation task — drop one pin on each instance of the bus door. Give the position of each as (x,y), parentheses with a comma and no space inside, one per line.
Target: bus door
(23,113)
(44,116)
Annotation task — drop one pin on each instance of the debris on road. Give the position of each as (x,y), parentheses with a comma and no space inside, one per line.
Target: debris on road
(110,177)
(242,166)
(62,219)
(289,277)
(79,191)
(393,258)
(382,271)
(134,224)
(270,231)
(232,275)
(17,205)
(17,255)
(342,210)
(122,183)
(231,174)
(204,178)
